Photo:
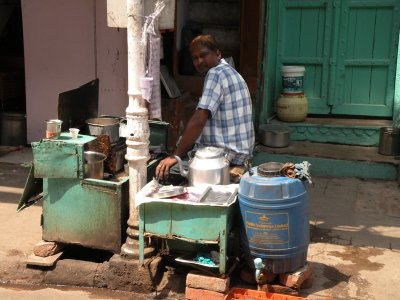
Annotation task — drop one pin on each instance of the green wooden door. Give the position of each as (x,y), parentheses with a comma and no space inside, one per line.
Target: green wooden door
(349,50)
(366,60)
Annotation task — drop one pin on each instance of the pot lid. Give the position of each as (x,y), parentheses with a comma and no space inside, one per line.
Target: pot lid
(270,169)
(275,128)
(293,69)
(102,121)
(54,121)
(209,152)
(390,130)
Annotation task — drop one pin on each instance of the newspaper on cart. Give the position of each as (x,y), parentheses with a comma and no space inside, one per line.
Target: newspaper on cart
(211,195)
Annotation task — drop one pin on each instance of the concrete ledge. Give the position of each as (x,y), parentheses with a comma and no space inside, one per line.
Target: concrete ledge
(72,272)
(116,274)
(333,160)
(129,275)
(16,272)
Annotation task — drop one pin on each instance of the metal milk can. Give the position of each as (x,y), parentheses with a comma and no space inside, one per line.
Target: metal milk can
(208,166)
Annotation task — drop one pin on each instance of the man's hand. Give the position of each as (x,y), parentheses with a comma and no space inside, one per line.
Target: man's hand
(162,170)
(192,132)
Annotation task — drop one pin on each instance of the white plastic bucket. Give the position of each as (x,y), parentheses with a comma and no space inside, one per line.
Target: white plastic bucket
(292,79)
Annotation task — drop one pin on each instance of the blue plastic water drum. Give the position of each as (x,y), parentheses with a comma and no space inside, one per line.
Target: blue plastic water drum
(274,219)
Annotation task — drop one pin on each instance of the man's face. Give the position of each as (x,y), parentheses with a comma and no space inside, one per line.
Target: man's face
(204,59)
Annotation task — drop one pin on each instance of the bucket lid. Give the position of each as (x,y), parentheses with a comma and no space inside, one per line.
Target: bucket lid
(275,128)
(390,130)
(54,121)
(270,169)
(293,69)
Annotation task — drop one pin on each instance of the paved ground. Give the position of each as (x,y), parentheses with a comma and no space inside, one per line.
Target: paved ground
(19,291)
(354,248)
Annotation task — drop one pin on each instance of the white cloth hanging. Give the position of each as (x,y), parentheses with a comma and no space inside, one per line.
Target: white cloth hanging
(152,39)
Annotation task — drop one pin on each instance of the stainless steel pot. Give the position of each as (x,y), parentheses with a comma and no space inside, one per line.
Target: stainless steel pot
(94,164)
(276,136)
(389,141)
(104,125)
(208,166)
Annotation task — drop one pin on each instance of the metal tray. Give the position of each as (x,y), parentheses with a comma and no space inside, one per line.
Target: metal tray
(168,191)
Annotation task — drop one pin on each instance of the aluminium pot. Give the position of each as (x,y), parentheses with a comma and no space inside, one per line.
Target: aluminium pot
(104,126)
(208,166)
(273,135)
(94,164)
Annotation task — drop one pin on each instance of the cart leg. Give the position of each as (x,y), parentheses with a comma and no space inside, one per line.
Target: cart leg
(141,234)
(222,244)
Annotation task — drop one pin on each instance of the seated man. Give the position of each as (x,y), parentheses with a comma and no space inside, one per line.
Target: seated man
(223,117)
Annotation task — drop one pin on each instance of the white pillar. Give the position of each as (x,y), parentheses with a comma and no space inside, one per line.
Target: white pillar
(137,131)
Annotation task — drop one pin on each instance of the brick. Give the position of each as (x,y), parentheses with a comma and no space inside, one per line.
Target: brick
(200,294)
(44,248)
(267,277)
(199,281)
(295,279)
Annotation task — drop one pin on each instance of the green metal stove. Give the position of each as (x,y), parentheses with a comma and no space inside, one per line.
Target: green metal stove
(78,210)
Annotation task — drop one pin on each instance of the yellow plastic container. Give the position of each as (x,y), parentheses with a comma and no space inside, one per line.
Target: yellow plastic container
(292,108)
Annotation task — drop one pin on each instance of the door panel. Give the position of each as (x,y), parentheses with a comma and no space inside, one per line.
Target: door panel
(304,39)
(366,70)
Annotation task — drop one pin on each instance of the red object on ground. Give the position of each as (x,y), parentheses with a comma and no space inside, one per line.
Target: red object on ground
(237,293)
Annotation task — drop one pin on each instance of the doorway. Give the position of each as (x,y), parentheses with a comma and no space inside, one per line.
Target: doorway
(236,24)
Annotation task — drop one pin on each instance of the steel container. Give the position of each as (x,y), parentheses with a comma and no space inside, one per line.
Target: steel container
(53,128)
(104,126)
(94,164)
(389,141)
(276,136)
(208,166)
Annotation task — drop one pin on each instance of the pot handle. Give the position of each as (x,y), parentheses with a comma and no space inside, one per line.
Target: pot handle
(191,154)
(248,167)
(184,173)
(226,156)
(122,127)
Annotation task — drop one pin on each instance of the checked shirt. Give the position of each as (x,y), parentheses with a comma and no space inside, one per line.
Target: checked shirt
(227,97)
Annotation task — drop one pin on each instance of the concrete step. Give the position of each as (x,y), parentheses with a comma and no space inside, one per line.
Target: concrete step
(364,132)
(333,160)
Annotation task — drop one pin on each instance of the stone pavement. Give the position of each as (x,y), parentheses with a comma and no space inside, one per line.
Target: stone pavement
(354,247)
